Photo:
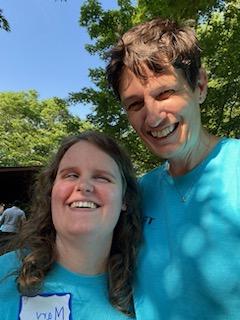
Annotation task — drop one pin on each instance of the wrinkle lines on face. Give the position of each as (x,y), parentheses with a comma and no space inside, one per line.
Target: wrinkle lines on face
(165,112)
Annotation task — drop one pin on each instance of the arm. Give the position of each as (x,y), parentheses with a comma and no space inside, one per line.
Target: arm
(2,219)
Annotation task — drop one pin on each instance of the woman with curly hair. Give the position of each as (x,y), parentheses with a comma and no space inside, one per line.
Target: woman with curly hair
(76,253)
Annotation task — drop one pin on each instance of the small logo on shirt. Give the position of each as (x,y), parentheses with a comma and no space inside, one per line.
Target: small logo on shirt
(148,220)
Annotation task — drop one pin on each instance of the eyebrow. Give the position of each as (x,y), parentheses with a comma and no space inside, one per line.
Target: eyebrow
(67,169)
(108,173)
(160,87)
(96,171)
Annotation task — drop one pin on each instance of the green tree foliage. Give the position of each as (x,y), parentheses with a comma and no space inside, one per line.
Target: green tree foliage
(105,27)
(30,129)
(217,25)
(3,22)
(220,40)
(172,9)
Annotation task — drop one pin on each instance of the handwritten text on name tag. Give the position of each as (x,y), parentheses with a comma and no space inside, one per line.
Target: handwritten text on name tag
(46,307)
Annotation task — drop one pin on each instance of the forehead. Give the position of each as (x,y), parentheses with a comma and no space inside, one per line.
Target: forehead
(88,154)
(131,84)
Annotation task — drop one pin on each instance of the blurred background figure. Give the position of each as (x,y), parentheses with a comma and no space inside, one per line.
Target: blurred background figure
(10,222)
(2,206)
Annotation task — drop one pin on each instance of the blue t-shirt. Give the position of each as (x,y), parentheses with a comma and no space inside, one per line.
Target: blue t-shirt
(65,295)
(189,264)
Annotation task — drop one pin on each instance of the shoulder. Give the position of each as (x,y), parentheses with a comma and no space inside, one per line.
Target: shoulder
(9,262)
(20,211)
(224,159)
(230,143)
(152,175)
(6,210)
(9,211)
(230,147)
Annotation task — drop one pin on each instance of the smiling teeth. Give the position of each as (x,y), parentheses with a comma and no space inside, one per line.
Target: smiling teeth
(83,204)
(163,132)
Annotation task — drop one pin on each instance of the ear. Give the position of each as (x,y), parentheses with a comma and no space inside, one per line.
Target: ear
(124,206)
(202,85)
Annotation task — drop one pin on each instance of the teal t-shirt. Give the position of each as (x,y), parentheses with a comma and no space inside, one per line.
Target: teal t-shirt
(189,264)
(65,295)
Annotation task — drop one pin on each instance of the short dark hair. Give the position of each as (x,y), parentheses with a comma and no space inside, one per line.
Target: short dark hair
(16,203)
(152,45)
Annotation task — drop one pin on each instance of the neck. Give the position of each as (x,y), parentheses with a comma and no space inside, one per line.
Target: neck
(182,165)
(86,258)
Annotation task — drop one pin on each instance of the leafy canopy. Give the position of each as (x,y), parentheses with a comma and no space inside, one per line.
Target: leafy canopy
(31,130)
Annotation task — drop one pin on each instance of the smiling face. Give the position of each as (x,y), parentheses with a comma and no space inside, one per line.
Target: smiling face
(164,111)
(87,195)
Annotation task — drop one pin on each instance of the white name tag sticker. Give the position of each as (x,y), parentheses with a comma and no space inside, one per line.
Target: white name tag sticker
(46,307)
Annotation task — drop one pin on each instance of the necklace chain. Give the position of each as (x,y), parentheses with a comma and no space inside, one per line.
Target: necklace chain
(184,197)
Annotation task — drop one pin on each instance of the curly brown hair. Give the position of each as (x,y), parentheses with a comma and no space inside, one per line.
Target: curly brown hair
(36,240)
(152,45)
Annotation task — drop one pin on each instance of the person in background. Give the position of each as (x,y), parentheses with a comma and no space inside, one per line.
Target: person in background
(2,206)
(189,264)
(2,240)
(76,252)
(10,222)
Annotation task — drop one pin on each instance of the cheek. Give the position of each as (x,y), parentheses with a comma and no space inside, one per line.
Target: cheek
(177,105)
(60,193)
(55,194)
(135,118)
(111,196)
(55,201)
(117,201)
(58,198)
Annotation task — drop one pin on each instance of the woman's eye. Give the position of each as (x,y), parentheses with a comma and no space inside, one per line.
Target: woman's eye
(71,175)
(102,179)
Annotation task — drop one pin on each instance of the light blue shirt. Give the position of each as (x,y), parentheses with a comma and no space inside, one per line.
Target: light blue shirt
(189,264)
(84,297)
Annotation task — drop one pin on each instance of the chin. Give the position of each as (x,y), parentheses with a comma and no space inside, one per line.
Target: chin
(80,230)
(164,152)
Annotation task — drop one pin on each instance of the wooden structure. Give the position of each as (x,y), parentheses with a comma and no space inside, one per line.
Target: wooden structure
(16,183)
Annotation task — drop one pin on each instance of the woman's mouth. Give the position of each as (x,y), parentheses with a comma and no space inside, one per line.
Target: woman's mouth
(84,204)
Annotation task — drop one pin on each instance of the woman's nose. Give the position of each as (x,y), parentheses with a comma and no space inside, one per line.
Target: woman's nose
(85,186)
